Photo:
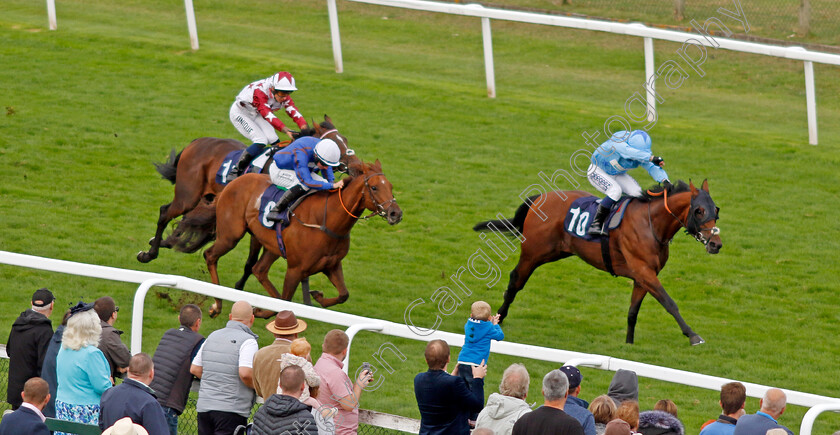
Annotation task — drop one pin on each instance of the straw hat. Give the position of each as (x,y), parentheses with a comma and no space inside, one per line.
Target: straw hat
(125,426)
(286,324)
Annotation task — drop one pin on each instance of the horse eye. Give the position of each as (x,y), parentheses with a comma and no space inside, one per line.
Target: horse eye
(373,188)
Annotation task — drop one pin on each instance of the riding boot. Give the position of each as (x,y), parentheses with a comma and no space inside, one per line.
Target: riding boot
(241,165)
(597,227)
(286,200)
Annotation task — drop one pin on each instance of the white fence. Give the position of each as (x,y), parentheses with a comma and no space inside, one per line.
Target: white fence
(818,404)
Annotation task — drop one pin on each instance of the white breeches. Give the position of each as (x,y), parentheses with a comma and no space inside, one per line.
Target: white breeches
(613,185)
(287,178)
(252,125)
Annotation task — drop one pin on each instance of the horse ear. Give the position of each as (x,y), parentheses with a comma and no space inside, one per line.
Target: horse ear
(316,126)
(693,189)
(378,165)
(705,185)
(327,119)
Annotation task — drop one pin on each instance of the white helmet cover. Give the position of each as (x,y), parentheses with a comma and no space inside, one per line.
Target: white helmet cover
(283,81)
(327,151)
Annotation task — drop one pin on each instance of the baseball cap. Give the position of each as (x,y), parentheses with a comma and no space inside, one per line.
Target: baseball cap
(42,297)
(573,374)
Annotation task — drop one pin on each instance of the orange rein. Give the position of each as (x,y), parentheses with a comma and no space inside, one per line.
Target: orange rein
(341,200)
(665,193)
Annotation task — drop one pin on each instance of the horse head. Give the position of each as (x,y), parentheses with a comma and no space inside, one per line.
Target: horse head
(326,130)
(378,193)
(702,218)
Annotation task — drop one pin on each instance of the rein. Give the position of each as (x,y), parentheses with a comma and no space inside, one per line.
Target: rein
(695,230)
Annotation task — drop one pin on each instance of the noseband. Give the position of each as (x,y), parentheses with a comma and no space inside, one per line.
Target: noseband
(692,225)
(380,206)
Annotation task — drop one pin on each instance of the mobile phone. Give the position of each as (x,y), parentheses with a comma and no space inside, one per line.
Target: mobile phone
(366,366)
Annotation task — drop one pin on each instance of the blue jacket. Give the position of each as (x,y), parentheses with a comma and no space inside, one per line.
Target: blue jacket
(582,415)
(477,336)
(23,421)
(83,375)
(620,154)
(757,423)
(720,427)
(297,157)
(445,402)
(135,400)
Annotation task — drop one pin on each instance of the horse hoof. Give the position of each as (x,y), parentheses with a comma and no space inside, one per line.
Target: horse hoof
(151,240)
(316,295)
(696,339)
(213,312)
(264,314)
(144,257)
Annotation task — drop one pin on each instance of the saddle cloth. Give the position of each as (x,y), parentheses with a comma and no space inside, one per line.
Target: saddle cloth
(582,212)
(269,198)
(232,158)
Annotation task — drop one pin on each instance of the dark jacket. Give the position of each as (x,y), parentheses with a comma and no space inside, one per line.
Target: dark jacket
(48,369)
(546,420)
(624,386)
(172,359)
(115,351)
(132,399)
(23,421)
(445,402)
(659,423)
(284,414)
(26,347)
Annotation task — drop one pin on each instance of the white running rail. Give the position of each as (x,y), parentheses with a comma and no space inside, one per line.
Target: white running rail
(355,323)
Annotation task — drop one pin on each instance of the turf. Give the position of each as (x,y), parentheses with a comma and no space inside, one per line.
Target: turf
(89,107)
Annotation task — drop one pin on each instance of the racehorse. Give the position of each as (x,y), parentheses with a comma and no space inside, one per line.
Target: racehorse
(318,236)
(193,172)
(638,248)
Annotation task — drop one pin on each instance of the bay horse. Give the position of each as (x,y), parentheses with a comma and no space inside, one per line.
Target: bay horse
(638,248)
(193,172)
(318,236)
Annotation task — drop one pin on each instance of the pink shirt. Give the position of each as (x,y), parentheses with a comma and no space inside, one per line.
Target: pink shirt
(335,384)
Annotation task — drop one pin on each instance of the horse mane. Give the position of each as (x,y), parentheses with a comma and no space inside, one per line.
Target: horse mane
(655,191)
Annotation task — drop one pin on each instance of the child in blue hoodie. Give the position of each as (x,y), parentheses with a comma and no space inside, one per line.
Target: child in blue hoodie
(481,327)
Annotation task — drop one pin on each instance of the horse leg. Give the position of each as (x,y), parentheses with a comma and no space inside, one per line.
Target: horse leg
(260,269)
(166,215)
(655,288)
(336,277)
(211,257)
(635,303)
(253,254)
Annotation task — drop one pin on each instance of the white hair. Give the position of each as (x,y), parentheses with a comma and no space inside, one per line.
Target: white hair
(515,381)
(43,310)
(83,329)
(555,385)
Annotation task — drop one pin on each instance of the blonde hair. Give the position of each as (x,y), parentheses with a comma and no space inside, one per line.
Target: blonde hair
(666,405)
(300,347)
(603,409)
(480,310)
(83,329)
(629,412)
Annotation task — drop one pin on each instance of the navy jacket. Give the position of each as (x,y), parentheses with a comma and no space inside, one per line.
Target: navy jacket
(445,402)
(23,421)
(48,369)
(135,400)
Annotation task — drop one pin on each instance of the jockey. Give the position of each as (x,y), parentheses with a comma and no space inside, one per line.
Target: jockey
(293,168)
(608,171)
(252,113)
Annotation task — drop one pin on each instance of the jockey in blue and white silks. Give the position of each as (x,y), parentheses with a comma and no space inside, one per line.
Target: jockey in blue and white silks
(293,168)
(608,171)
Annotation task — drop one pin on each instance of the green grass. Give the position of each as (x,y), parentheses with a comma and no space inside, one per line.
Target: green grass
(90,106)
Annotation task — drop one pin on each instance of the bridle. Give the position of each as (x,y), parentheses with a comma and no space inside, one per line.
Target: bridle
(380,206)
(692,226)
(348,151)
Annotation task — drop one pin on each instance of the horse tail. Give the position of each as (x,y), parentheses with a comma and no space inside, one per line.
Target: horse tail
(504,225)
(167,170)
(196,229)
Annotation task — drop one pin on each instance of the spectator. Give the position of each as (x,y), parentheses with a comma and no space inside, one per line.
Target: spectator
(81,368)
(481,328)
(133,398)
(285,413)
(666,405)
(772,407)
(483,431)
(27,344)
(336,389)
(733,397)
(28,418)
(285,328)
(550,419)
(48,369)
(629,412)
(224,363)
(445,401)
(176,350)
(574,406)
(624,386)
(617,427)
(299,356)
(603,410)
(660,423)
(115,351)
(125,426)
(506,406)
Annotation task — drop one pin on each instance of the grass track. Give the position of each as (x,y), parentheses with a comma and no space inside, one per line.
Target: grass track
(90,106)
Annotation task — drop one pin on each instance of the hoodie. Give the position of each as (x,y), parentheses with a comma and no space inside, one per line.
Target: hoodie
(26,347)
(624,386)
(659,423)
(282,413)
(500,413)
(477,337)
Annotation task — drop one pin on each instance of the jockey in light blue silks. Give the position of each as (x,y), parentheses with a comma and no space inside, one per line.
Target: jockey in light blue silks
(608,171)
(293,168)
